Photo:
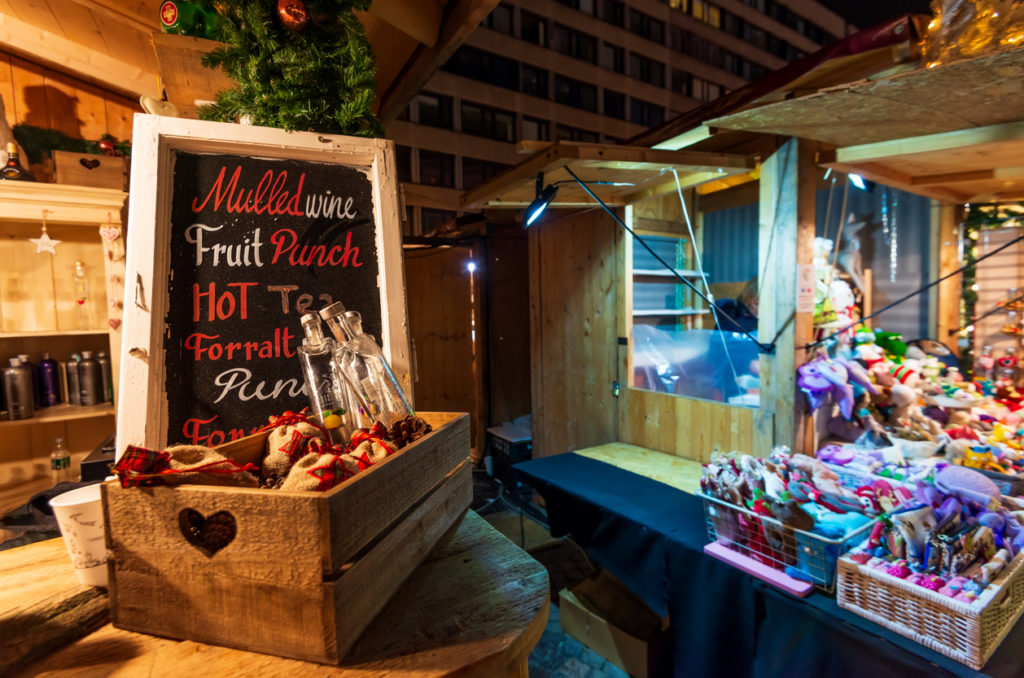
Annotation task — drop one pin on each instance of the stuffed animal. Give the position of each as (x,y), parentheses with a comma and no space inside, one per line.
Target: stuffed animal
(891,342)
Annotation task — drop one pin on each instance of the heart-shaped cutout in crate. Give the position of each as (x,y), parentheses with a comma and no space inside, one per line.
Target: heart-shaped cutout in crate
(89,164)
(208,534)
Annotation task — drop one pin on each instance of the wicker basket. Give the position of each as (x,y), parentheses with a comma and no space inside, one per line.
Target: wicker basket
(968,633)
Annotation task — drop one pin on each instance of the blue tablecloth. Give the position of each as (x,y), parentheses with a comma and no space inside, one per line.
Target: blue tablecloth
(723,621)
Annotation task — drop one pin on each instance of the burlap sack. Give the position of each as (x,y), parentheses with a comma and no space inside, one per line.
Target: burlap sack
(199,465)
(286,445)
(320,472)
(370,450)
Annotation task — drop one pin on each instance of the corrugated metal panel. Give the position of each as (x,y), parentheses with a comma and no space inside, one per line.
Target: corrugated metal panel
(730,249)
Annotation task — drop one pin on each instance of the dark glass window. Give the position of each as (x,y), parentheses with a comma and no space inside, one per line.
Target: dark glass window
(585,6)
(614,12)
(484,121)
(573,43)
(575,93)
(645,113)
(613,58)
(403,160)
(681,82)
(614,104)
(568,133)
(500,19)
(533,28)
(476,171)
(437,169)
(533,128)
(434,110)
(534,81)
(646,26)
(431,219)
(644,69)
(470,62)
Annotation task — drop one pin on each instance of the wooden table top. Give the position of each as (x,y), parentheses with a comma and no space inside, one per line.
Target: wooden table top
(476,606)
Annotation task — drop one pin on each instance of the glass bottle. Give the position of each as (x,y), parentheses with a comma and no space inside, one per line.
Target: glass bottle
(365,361)
(81,286)
(13,171)
(325,385)
(60,462)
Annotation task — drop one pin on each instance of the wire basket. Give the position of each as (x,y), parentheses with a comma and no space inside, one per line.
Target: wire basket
(800,554)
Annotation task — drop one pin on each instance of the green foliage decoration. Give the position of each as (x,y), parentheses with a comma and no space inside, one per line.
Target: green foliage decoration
(318,78)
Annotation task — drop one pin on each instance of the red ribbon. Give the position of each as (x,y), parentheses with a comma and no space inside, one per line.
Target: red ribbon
(375,435)
(138,466)
(288,417)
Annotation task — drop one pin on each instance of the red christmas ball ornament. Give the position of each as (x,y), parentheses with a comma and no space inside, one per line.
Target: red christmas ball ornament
(293,14)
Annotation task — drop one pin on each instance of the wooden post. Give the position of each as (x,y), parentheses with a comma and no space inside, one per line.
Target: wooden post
(788,180)
(945,259)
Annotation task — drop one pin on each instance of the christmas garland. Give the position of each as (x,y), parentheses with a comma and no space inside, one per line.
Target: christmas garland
(39,143)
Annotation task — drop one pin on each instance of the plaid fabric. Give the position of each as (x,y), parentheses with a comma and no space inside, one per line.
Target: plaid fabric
(138,465)
(330,473)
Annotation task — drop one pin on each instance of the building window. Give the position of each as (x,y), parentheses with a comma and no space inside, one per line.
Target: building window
(646,70)
(681,82)
(565,40)
(706,12)
(403,160)
(538,130)
(533,28)
(585,6)
(478,64)
(500,19)
(613,12)
(646,26)
(434,110)
(568,133)
(533,81)
(437,169)
(575,93)
(613,58)
(492,123)
(645,113)
(705,91)
(431,219)
(476,171)
(615,104)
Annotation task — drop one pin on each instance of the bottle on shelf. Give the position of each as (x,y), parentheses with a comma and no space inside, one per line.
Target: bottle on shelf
(13,171)
(81,287)
(325,384)
(37,394)
(60,463)
(90,380)
(71,377)
(49,380)
(18,390)
(363,360)
(108,378)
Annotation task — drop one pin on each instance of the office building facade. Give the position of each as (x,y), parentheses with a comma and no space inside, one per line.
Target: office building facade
(584,70)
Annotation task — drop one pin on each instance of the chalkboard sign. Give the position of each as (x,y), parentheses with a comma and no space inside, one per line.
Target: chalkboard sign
(248,229)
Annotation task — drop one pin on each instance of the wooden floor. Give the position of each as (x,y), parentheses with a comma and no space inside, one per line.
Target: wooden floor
(682,474)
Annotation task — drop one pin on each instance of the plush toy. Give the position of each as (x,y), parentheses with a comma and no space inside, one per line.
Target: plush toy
(822,377)
(891,342)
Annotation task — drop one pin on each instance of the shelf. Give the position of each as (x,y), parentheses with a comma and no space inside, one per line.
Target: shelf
(655,312)
(52,333)
(665,273)
(64,413)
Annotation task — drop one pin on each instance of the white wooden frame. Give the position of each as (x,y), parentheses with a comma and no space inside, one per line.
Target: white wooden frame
(142,412)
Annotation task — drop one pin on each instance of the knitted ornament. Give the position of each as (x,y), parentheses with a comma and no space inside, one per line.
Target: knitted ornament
(900,570)
(903,374)
(932,583)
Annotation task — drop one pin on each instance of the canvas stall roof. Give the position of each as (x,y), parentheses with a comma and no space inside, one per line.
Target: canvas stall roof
(119,45)
(644,172)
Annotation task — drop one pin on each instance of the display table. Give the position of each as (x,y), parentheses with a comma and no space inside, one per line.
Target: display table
(476,606)
(723,621)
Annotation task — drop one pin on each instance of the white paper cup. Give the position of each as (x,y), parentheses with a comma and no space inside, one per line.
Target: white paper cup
(79,515)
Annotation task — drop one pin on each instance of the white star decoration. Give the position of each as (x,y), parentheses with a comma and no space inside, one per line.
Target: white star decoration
(45,243)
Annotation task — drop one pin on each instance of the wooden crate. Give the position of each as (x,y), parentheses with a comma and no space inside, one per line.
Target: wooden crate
(86,169)
(307,571)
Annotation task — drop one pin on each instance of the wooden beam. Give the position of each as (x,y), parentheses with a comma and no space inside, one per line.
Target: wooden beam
(420,19)
(463,19)
(884,174)
(115,9)
(687,139)
(999,173)
(930,143)
(946,259)
(61,53)
(786,244)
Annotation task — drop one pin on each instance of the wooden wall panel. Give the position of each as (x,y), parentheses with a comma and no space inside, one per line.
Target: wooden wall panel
(505,277)
(441,315)
(43,97)
(573,321)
